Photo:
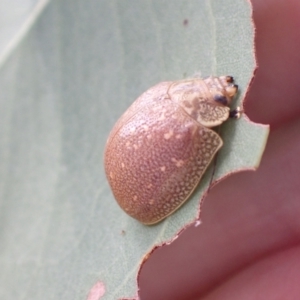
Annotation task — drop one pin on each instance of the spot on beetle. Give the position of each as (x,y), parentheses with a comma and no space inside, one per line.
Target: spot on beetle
(169,134)
(165,139)
(163,168)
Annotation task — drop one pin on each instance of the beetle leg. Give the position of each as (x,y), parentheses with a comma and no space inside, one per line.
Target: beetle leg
(236,113)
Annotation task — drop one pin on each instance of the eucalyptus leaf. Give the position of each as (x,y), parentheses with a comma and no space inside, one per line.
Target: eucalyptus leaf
(70,75)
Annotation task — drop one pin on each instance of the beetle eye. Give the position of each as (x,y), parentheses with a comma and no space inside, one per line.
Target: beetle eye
(229,79)
(221,99)
(232,89)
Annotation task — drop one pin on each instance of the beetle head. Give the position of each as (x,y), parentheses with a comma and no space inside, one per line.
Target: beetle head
(222,89)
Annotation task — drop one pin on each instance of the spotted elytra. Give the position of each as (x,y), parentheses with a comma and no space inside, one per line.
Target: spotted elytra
(161,146)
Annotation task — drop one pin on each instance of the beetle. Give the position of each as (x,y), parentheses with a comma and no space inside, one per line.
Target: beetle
(159,149)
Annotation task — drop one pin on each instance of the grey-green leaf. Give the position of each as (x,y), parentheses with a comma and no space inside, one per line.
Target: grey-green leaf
(71,73)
